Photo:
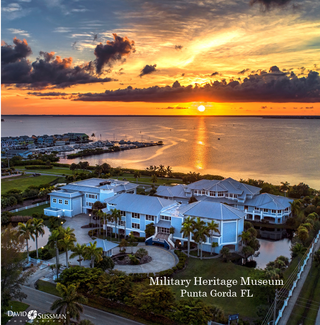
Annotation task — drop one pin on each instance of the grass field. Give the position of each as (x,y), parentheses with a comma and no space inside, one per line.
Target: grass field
(215,268)
(16,306)
(23,182)
(147,179)
(307,306)
(29,212)
(54,170)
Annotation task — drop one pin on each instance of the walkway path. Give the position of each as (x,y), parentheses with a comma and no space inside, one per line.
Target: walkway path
(292,301)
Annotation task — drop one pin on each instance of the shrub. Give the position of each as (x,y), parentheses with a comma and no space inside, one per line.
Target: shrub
(105,263)
(141,252)
(134,259)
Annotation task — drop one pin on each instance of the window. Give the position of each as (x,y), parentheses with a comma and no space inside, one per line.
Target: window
(165,218)
(122,223)
(279,211)
(60,201)
(151,218)
(90,204)
(220,194)
(123,213)
(135,226)
(91,196)
(66,202)
(203,192)
(274,211)
(211,193)
(54,200)
(265,210)
(135,215)
(257,209)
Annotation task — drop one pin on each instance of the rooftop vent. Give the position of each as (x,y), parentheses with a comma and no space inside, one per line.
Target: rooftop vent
(105,183)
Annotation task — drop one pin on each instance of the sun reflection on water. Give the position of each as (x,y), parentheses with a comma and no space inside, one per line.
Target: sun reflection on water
(199,149)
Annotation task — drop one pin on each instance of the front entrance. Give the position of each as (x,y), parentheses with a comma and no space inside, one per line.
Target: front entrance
(162,230)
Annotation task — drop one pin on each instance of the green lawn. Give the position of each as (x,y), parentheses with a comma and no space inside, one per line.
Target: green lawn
(23,182)
(307,306)
(147,179)
(29,212)
(54,170)
(16,306)
(215,268)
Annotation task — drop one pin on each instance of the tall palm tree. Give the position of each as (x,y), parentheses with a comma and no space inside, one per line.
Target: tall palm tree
(213,227)
(56,236)
(99,215)
(70,302)
(67,242)
(38,229)
(187,228)
(214,245)
(116,216)
(295,207)
(197,228)
(26,230)
(203,233)
(93,253)
(69,232)
(78,250)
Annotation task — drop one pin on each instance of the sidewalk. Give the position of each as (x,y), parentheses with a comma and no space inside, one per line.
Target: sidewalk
(292,301)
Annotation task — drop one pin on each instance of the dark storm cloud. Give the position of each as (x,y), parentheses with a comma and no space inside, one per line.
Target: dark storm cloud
(148,69)
(214,73)
(52,93)
(47,70)
(243,71)
(269,4)
(265,87)
(171,107)
(178,47)
(116,50)
(18,51)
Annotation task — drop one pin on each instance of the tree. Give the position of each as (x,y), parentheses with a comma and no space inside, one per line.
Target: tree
(150,229)
(225,253)
(93,253)
(284,187)
(213,227)
(56,236)
(247,251)
(198,229)
(26,230)
(67,243)
(115,216)
(78,250)
(86,322)
(136,175)
(98,169)
(169,171)
(154,178)
(12,261)
(214,245)
(295,207)
(73,167)
(303,234)
(106,263)
(38,229)
(70,302)
(187,228)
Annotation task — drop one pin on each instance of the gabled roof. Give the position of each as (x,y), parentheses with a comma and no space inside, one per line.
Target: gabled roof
(269,201)
(211,210)
(172,191)
(140,203)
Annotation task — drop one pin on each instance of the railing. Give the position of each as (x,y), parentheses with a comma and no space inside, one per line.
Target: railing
(30,206)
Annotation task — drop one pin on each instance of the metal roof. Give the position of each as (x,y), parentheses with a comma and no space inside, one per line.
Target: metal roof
(211,210)
(163,224)
(140,203)
(269,201)
(65,194)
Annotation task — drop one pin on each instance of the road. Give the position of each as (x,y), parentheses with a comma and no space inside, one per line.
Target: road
(41,301)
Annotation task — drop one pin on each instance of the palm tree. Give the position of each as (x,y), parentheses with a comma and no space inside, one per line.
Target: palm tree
(26,230)
(187,228)
(214,245)
(70,302)
(284,187)
(67,242)
(213,227)
(197,229)
(204,232)
(295,207)
(78,250)
(137,175)
(245,237)
(169,171)
(298,250)
(154,178)
(116,216)
(93,253)
(56,236)
(99,215)
(38,229)
(69,232)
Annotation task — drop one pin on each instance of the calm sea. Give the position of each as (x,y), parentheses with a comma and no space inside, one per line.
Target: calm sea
(274,150)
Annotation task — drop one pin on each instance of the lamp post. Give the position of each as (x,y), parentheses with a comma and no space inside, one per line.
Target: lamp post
(90,217)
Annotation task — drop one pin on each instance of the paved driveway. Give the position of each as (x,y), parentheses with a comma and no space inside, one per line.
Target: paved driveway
(162,259)
(76,223)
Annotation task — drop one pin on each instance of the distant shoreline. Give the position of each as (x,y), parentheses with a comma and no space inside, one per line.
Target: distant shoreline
(255,116)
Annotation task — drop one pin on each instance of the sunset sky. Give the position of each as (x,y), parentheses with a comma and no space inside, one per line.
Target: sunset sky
(235,57)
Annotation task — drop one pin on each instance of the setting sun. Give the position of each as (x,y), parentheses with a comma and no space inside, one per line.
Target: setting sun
(201,108)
